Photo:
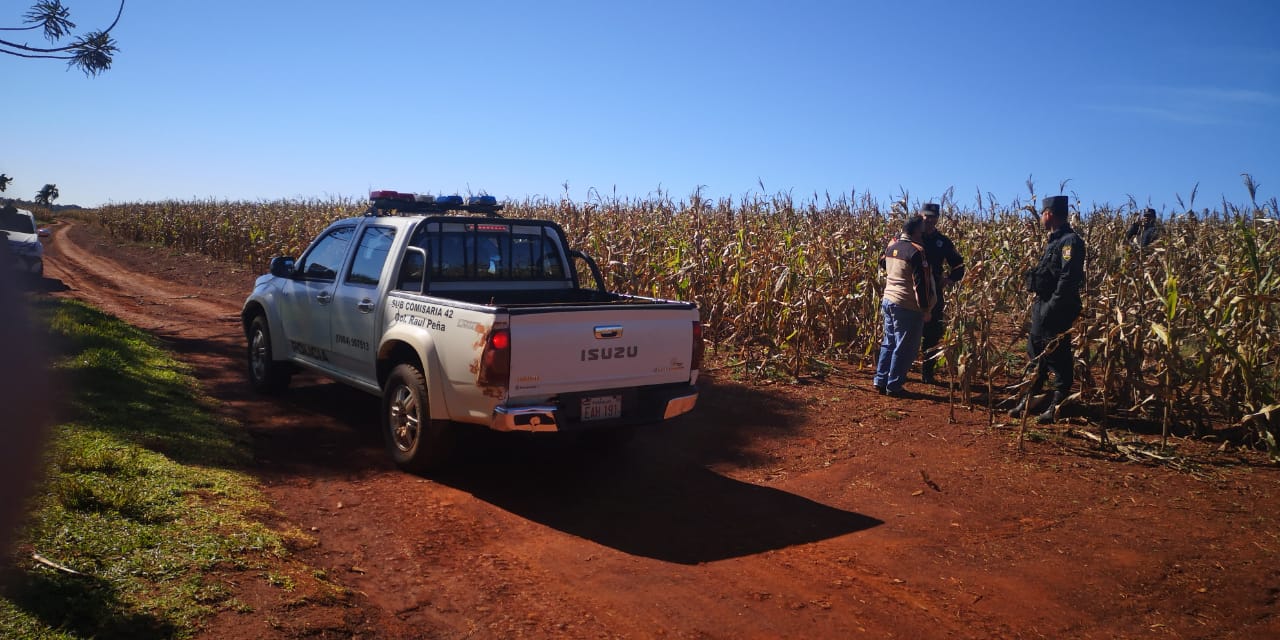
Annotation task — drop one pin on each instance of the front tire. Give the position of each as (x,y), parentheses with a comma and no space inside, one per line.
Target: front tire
(415,441)
(265,374)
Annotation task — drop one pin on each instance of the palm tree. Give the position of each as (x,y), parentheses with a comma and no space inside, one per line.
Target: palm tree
(4,181)
(47,195)
(91,52)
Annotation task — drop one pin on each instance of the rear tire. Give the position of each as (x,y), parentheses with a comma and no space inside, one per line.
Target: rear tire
(415,441)
(265,373)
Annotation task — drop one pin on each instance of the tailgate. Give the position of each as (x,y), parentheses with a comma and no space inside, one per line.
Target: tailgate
(584,349)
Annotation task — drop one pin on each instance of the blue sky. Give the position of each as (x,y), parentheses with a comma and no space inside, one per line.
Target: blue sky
(266,100)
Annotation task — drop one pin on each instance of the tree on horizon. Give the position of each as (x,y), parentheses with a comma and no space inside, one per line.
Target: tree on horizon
(47,195)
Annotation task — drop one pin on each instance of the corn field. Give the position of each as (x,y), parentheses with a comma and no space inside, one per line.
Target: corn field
(1184,333)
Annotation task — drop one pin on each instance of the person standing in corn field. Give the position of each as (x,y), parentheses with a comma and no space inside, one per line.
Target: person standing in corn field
(948,269)
(1145,230)
(1055,281)
(908,299)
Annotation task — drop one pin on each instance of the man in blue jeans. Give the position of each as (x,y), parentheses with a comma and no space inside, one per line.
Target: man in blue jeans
(909,297)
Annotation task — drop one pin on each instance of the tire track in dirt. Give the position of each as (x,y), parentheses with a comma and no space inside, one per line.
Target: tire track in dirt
(109,285)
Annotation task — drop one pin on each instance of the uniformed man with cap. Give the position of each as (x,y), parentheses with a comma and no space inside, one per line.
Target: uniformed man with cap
(1055,281)
(1145,230)
(948,269)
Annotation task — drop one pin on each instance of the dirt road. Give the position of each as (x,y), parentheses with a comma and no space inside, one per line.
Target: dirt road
(805,511)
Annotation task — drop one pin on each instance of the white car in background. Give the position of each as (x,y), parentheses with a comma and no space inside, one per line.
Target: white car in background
(23,238)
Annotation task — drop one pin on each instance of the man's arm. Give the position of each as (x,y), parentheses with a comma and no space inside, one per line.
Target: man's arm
(922,278)
(955,262)
(1071,257)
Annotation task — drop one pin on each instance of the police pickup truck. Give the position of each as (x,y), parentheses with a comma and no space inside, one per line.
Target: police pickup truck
(453,314)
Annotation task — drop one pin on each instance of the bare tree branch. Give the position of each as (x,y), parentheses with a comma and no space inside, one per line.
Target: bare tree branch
(53,17)
(92,53)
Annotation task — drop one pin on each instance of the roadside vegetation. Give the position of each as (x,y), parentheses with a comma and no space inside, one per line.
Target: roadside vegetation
(142,526)
(1183,334)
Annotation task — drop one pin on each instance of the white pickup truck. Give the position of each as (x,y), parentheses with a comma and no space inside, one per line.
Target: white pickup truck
(453,314)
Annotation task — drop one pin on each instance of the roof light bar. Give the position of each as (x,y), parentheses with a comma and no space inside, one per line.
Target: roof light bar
(382,201)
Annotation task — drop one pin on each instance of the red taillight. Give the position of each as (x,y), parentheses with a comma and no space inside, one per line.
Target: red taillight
(501,339)
(695,361)
(495,360)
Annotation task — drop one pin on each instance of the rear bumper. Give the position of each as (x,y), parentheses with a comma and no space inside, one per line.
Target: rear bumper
(639,406)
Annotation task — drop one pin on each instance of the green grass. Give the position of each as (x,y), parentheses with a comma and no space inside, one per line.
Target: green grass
(141,495)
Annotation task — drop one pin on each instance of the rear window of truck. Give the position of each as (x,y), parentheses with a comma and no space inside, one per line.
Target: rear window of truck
(463,251)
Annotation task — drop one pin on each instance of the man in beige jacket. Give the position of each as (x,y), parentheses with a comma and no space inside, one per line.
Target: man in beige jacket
(909,296)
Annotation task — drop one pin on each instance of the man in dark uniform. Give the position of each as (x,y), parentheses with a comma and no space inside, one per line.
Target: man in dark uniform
(1055,281)
(1145,230)
(938,249)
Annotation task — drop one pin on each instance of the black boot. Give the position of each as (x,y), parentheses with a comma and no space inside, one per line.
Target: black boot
(1018,408)
(1016,412)
(1051,414)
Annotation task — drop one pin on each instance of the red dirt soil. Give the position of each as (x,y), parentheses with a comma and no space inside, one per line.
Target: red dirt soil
(817,510)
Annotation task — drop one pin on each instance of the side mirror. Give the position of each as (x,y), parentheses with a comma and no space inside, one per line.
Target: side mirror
(413,268)
(43,232)
(281,267)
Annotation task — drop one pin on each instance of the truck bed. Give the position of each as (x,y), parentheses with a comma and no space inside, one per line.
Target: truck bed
(542,297)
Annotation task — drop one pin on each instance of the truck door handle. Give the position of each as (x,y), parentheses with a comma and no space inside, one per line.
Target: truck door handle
(324,298)
(606,332)
(365,306)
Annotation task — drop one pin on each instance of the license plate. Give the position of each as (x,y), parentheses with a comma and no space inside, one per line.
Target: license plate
(601,407)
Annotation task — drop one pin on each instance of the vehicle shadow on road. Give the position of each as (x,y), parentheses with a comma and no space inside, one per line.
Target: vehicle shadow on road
(43,284)
(643,502)
(729,423)
(656,497)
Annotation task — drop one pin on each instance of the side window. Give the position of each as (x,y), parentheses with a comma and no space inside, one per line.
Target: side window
(412,268)
(12,219)
(451,260)
(488,251)
(549,263)
(535,257)
(524,257)
(324,260)
(371,255)
(551,266)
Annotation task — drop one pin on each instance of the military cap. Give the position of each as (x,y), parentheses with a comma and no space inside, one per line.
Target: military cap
(930,210)
(1057,205)
(1149,213)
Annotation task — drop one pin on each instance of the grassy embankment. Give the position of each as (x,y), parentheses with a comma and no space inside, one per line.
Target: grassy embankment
(142,505)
